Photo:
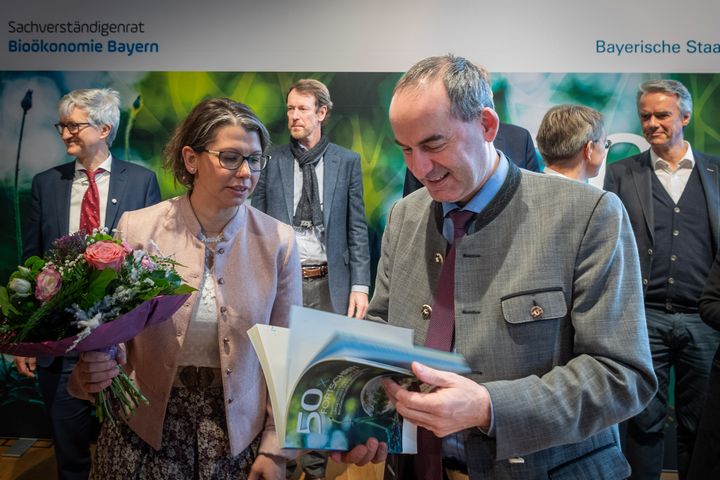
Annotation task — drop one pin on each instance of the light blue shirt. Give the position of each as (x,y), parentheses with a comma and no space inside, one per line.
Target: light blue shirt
(481,199)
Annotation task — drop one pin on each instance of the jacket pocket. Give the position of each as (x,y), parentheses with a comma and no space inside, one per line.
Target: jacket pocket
(534,305)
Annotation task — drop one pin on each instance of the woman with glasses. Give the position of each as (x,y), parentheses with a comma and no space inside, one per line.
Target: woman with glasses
(208,415)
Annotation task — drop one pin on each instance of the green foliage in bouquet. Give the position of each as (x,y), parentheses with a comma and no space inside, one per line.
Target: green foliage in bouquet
(83,282)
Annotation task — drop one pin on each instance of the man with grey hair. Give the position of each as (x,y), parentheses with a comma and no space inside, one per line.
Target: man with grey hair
(545,306)
(672,194)
(92,191)
(573,142)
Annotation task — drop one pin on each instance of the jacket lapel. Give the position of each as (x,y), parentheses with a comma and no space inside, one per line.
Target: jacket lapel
(642,177)
(116,193)
(287,176)
(62,199)
(710,182)
(330,176)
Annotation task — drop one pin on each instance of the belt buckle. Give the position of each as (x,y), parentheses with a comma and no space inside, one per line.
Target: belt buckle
(314,271)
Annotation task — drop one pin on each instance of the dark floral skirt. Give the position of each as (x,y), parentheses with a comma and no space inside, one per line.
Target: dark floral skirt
(195,444)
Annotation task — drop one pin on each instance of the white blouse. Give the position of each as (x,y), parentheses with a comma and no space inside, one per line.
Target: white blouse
(201,348)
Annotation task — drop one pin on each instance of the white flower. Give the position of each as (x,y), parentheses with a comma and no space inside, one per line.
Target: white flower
(20,286)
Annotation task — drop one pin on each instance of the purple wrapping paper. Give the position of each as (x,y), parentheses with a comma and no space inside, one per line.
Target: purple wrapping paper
(120,330)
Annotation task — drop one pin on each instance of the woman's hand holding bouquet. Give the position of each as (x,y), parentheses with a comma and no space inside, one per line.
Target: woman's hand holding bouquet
(90,294)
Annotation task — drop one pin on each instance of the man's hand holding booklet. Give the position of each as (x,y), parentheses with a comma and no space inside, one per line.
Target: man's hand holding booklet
(325,373)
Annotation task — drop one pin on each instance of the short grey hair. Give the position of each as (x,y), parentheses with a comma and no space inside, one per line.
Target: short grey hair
(566,129)
(467,85)
(101,104)
(672,87)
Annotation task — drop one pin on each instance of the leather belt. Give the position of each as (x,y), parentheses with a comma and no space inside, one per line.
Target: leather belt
(314,271)
(197,377)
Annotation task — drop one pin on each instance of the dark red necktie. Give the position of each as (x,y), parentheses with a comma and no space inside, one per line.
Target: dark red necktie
(90,207)
(440,334)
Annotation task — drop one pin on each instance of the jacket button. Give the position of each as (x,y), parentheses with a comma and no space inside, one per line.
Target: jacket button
(426,311)
(221,281)
(223,309)
(226,340)
(650,251)
(221,251)
(536,312)
(439,258)
(228,371)
(645,281)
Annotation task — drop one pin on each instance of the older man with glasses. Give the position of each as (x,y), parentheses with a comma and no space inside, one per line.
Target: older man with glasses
(90,192)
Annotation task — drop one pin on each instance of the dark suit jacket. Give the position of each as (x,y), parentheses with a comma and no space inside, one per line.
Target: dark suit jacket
(346,235)
(631,180)
(515,142)
(131,187)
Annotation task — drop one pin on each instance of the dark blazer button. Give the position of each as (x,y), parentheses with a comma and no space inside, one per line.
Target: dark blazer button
(426,311)
(439,258)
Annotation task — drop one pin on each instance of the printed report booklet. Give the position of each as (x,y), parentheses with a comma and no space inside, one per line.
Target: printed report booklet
(324,378)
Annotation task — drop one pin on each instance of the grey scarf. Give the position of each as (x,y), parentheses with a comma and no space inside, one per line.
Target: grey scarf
(308,213)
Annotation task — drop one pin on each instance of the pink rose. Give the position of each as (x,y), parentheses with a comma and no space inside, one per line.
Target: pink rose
(48,283)
(105,254)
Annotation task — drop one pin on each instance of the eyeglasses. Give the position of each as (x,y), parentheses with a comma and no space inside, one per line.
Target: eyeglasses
(608,143)
(73,128)
(231,160)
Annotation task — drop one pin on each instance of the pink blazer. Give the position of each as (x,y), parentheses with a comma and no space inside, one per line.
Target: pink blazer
(258,278)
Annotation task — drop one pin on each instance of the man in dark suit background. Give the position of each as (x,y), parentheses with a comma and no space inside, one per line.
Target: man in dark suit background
(672,194)
(316,186)
(515,142)
(93,190)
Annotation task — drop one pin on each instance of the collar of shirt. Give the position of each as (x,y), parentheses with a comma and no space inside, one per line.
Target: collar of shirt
(106,165)
(688,160)
(486,193)
(482,198)
(549,171)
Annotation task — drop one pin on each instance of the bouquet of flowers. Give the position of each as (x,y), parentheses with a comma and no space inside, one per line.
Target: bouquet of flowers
(90,292)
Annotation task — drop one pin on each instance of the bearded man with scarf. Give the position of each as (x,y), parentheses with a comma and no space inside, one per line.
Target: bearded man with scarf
(316,186)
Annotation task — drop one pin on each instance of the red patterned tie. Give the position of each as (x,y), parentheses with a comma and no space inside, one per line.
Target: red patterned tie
(440,334)
(90,208)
